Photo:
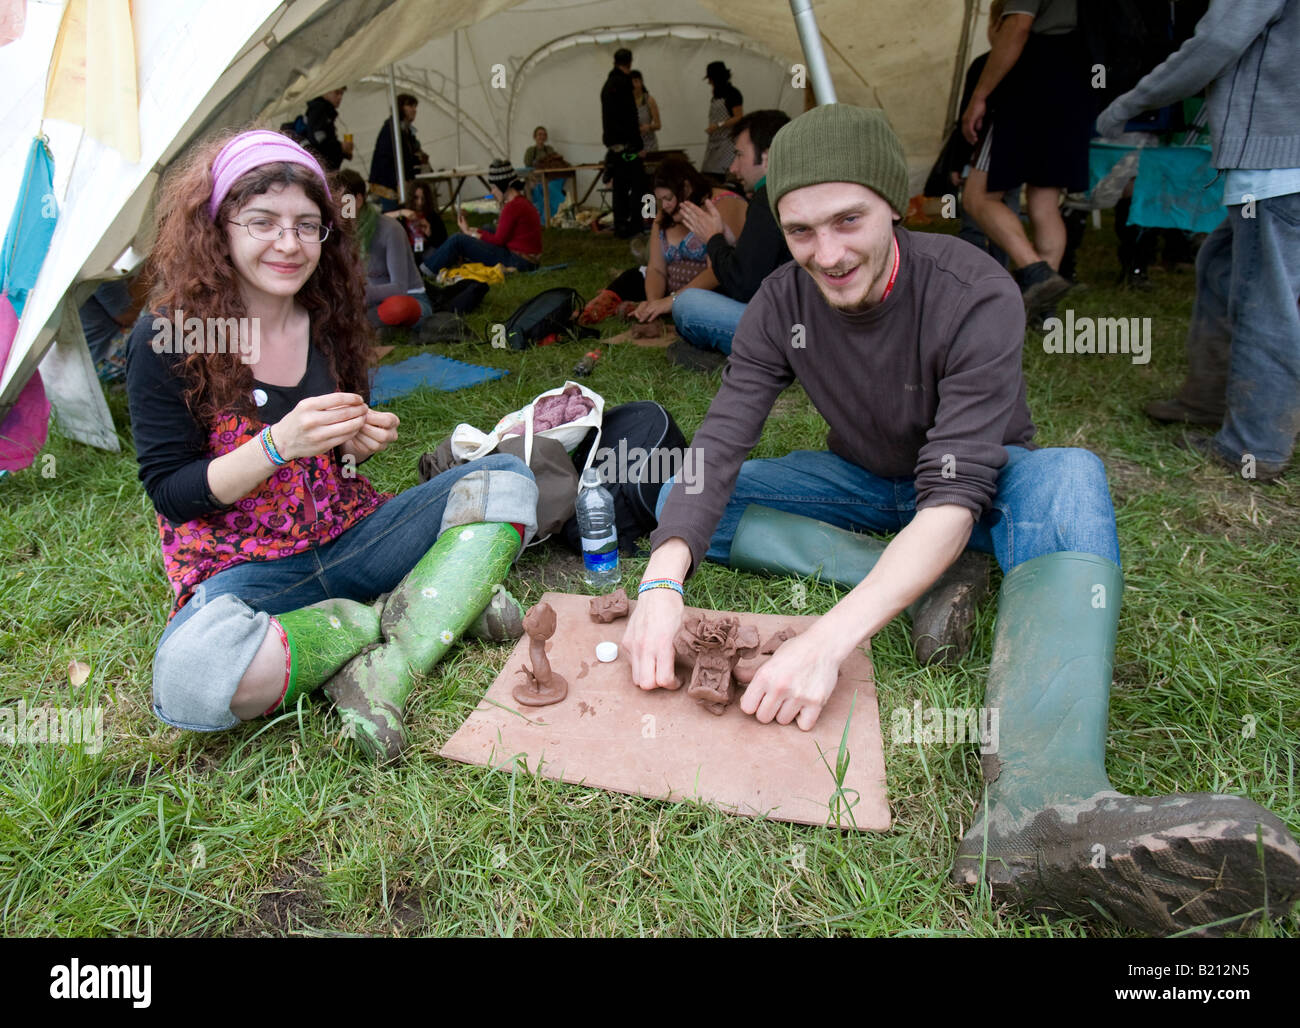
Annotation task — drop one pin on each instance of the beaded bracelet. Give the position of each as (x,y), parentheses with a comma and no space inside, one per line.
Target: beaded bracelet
(661,583)
(268,448)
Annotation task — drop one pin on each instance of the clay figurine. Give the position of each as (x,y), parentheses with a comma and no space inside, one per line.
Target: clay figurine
(611,607)
(541,686)
(710,645)
(746,669)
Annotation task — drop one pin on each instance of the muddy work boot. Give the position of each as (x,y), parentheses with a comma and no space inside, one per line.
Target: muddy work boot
(1052,836)
(780,543)
(423,617)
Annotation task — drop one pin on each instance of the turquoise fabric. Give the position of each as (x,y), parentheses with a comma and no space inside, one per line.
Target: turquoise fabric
(1176,186)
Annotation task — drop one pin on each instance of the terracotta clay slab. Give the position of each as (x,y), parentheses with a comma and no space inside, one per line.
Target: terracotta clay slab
(663,745)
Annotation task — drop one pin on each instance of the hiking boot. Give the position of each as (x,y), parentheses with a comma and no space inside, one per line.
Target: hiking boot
(1176,412)
(684,355)
(1040,287)
(1052,835)
(942,619)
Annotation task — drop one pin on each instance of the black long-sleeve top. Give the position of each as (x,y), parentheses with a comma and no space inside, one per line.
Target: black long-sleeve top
(618,116)
(760,249)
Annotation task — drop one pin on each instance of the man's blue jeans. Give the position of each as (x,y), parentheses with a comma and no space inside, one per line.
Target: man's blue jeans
(1244,337)
(707,319)
(460,247)
(1048,501)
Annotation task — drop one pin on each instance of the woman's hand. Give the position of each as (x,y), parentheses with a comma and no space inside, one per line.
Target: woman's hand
(377,433)
(318,424)
(648,310)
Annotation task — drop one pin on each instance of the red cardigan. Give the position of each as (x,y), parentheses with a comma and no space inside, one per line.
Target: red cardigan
(519,229)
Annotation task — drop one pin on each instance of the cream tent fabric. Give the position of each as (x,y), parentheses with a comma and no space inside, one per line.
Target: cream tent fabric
(204,64)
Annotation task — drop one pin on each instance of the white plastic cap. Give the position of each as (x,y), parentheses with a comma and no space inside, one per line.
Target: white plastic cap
(606,652)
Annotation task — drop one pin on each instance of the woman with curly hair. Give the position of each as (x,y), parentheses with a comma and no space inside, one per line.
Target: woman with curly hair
(275,547)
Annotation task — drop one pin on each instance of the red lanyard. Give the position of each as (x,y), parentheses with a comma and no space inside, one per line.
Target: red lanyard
(893,275)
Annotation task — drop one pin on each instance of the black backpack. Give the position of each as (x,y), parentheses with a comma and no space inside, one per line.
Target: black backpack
(550,312)
(642,425)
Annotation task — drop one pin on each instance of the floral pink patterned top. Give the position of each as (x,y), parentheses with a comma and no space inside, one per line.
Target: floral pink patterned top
(307,502)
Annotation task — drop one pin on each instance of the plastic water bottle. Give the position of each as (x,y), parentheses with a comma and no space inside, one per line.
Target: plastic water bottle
(595,509)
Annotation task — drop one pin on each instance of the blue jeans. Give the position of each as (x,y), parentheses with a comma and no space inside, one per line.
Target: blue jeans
(1052,500)
(1248,284)
(707,319)
(217,633)
(460,247)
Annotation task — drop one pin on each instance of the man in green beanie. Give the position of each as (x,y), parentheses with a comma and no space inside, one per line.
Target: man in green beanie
(909,345)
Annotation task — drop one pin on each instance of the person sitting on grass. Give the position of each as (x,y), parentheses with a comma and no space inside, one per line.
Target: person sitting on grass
(516,242)
(678,258)
(708,319)
(395,294)
(276,549)
(909,345)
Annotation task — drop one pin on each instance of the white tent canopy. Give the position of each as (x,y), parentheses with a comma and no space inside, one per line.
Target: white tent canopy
(486,72)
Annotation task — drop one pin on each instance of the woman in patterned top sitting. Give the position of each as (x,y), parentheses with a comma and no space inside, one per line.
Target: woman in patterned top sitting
(248,393)
(678,260)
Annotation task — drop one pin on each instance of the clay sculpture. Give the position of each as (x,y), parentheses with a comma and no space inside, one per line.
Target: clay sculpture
(541,686)
(710,646)
(746,669)
(611,607)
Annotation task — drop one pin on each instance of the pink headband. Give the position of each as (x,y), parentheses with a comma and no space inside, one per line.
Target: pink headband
(250,150)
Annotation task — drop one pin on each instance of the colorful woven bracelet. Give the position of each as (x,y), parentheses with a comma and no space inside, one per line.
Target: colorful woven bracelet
(268,447)
(661,583)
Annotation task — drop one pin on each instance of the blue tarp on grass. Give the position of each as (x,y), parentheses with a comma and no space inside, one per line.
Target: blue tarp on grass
(427,369)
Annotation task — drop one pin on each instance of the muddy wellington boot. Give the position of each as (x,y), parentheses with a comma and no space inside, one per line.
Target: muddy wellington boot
(781,543)
(319,640)
(1052,834)
(437,601)
(502,619)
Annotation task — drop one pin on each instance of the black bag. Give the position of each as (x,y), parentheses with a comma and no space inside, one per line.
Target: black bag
(550,312)
(633,480)
(461,297)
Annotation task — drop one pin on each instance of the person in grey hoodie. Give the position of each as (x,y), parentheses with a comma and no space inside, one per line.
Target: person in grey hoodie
(1243,343)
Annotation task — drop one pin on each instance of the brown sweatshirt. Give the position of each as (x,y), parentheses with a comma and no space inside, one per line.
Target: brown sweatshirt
(927,384)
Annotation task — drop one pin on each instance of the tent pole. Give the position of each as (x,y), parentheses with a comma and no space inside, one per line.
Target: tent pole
(811,41)
(399,155)
(455,70)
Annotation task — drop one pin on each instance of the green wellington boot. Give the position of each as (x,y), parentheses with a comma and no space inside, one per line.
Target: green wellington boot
(441,597)
(778,542)
(321,639)
(502,620)
(1052,834)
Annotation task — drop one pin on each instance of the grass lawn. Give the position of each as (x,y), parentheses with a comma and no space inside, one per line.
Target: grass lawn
(278,827)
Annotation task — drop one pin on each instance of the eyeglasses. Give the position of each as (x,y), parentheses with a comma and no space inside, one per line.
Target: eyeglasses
(266,230)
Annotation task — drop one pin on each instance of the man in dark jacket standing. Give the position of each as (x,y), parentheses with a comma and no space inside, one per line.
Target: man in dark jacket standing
(622,135)
(383,165)
(321,134)
(708,318)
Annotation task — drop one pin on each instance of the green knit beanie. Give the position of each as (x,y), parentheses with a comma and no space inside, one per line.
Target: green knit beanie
(838,143)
